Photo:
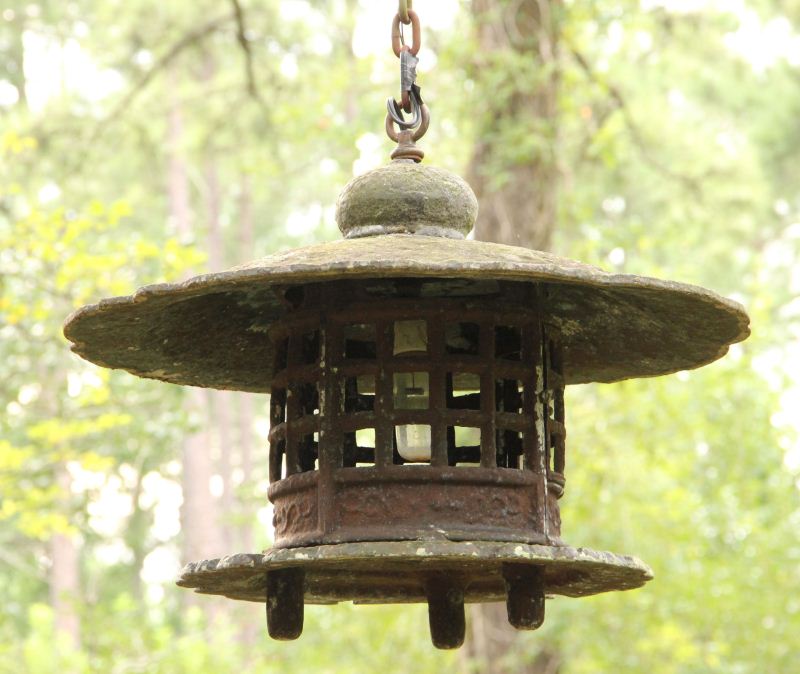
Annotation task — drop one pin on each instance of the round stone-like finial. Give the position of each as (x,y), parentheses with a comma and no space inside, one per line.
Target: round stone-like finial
(407,198)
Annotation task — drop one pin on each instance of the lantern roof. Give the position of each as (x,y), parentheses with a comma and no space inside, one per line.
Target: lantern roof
(404,221)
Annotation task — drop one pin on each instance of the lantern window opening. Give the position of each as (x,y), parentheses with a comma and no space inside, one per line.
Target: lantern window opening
(510,449)
(508,342)
(308,399)
(359,341)
(410,337)
(410,390)
(358,394)
(462,339)
(277,460)
(463,391)
(463,446)
(308,452)
(358,448)
(508,395)
(413,443)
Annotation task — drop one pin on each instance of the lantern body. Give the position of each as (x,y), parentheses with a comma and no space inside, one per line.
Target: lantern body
(483,380)
(417,442)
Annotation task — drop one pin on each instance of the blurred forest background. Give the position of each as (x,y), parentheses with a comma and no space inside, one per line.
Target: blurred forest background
(145,141)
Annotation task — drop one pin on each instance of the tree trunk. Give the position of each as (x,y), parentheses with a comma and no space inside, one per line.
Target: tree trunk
(513,169)
(514,175)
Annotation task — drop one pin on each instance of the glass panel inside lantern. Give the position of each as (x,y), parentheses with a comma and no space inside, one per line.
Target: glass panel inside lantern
(414,442)
(412,392)
(410,337)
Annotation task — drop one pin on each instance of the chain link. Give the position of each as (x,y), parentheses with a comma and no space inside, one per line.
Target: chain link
(398,43)
(402,11)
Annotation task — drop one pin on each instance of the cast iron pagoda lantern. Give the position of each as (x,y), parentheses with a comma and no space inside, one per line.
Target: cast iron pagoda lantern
(416,380)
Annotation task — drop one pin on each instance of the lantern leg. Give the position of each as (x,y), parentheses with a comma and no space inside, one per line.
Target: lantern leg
(285,590)
(446,612)
(524,595)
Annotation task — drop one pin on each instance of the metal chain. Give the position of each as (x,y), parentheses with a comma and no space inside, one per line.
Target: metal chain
(402,11)
(410,96)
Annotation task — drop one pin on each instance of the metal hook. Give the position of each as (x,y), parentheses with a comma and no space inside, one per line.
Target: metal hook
(418,133)
(396,112)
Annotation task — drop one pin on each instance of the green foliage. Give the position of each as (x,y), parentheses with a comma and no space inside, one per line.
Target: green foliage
(59,409)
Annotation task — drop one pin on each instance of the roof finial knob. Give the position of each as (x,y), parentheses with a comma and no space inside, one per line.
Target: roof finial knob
(405,197)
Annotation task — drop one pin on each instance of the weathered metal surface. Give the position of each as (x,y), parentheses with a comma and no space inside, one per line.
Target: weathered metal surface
(284,600)
(397,572)
(446,615)
(335,466)
(414,503)
(525,591)
(211,330)
(397,40)
(404,197)
(296,515)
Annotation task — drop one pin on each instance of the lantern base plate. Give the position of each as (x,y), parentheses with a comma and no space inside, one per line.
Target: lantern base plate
(397,572)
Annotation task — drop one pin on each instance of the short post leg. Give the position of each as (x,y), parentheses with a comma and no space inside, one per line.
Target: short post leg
(524,595)
(285,603)
(446,612)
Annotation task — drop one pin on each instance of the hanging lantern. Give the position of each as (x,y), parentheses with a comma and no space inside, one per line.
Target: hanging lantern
(416,383)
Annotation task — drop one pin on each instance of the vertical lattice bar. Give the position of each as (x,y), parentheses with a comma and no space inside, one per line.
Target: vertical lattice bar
(437,386)
(330,446)
(547,402)
(489,428)
(532,386)
(559,430)
(384,428)
(277,443)
(293,405)
(330,404)
(535,447)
